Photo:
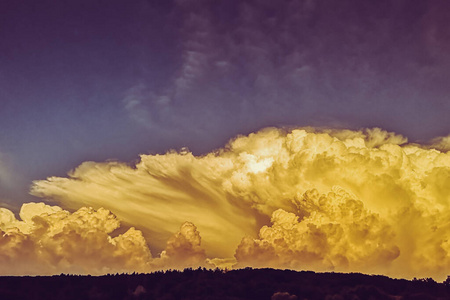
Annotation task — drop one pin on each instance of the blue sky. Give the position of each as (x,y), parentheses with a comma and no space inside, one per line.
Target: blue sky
(98,80)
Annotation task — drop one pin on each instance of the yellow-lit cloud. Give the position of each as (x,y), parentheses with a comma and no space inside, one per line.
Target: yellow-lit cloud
(303,198)
(50,240)
(441,143)
(183,250)
(328,232)
(159,194)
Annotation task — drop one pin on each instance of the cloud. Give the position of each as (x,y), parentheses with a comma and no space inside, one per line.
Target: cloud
(301,198)
(133,102)
(328,232)
(5,172)
(50,240)
(263,63)
(183,249)
(11,181)
(160,193)
(156,106)
(283,296)
(441,143)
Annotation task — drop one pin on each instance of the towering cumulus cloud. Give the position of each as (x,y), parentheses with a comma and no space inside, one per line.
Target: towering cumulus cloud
(303,198)
(50,240)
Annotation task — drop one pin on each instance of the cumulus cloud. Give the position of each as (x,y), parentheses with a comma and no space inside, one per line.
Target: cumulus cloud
(328,232)
(301,198)
(50,240)
(160,193)
(183,249)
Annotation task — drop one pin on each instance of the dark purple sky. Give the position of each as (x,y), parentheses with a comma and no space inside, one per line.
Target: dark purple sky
(96,80)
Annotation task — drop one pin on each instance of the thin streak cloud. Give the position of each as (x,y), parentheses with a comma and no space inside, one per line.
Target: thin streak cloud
(262,63)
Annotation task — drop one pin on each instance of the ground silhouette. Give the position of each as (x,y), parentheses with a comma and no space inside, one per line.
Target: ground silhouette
(217,284)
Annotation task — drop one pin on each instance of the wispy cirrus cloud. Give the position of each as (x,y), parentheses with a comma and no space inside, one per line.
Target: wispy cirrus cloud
(261,63)
(5,172)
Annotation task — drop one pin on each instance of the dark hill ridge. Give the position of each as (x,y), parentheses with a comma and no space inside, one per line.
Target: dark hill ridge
(215,284)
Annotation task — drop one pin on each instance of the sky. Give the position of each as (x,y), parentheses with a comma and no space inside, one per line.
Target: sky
(143,108)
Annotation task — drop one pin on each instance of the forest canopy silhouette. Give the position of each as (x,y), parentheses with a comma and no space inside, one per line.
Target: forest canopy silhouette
(219,284)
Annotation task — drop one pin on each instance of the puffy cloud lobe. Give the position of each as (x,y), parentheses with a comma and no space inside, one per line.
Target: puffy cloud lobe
(308,198)
(283,296)
(50,240)
(183,249)
(336,232)
(441,143)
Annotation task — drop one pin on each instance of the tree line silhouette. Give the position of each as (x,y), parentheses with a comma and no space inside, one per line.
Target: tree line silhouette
(217,284)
